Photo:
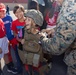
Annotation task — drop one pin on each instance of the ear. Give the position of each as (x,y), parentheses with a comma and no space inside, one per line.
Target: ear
(33,23)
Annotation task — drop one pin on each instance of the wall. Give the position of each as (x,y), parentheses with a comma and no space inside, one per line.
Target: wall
(11,5)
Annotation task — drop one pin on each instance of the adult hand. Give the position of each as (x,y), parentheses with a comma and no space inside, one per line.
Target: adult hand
(48,31)
(42,34)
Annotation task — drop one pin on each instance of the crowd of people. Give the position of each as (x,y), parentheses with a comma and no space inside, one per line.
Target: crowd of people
(38,33)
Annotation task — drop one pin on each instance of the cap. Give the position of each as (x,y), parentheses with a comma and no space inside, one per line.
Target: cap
(2,6)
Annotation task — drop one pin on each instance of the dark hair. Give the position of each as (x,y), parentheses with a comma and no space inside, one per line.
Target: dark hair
(33,5)
(17,7)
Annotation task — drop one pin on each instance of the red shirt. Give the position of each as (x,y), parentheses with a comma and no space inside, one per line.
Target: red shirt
(15,24)
(2,29)
(51,21)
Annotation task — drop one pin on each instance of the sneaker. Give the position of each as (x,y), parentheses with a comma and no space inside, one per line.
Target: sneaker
(12,70)
(50,65)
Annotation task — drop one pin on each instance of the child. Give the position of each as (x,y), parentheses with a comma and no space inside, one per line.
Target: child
(31,53)
(16,26)
(4,41)
(7,19)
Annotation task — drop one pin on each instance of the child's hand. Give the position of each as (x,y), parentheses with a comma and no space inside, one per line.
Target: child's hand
(18,39)
(0,50)
(22,41)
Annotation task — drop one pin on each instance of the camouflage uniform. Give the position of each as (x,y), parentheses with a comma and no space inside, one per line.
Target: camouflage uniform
(65,34)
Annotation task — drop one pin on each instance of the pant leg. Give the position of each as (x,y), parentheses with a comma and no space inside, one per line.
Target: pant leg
(16,59)
(18,63)
(35,72)
(9,54)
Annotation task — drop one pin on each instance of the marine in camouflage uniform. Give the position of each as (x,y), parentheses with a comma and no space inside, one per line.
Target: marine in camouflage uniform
(65,35)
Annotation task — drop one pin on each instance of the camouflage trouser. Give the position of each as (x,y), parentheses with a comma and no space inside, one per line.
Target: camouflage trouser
(70,60)
(71,71)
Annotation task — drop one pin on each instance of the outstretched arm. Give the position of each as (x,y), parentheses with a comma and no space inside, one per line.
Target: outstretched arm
(65,32)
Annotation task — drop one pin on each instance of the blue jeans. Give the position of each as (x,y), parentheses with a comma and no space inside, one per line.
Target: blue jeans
(18,63)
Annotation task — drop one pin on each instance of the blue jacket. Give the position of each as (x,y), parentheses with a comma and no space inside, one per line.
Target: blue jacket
(7,22)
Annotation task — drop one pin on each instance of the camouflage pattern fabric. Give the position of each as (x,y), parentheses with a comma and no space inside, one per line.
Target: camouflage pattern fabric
(71,71)
(65,34)
(35,15)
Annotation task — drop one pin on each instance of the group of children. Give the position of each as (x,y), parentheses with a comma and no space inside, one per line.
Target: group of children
(8,38)
(15,34)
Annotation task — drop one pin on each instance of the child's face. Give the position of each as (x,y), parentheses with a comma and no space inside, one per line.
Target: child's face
(29,23)
(19,13)
(2,13)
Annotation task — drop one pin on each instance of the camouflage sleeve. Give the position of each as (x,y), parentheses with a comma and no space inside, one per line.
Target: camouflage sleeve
(65,32)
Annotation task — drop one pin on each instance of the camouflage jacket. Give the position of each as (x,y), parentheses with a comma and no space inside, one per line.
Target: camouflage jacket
(65,32)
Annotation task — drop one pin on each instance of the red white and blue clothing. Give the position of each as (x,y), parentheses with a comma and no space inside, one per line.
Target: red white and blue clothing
(7,23)
(2,29)
(3,40)
(17,25)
